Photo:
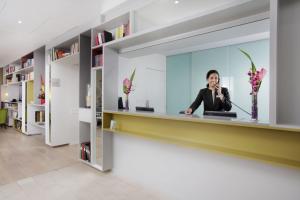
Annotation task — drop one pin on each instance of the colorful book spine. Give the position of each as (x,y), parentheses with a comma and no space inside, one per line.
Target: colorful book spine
(98,60)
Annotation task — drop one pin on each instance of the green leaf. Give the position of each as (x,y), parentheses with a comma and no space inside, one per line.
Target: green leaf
(246,54)
(253,67)
(132,76)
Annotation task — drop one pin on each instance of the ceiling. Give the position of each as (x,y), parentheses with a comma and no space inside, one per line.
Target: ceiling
(42,21)
(166,11)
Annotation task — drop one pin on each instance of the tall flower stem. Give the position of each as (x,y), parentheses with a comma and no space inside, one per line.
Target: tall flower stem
(126,102)
(254,113)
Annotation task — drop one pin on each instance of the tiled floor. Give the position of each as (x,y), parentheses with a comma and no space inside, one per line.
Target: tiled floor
(24,156)
(35,171)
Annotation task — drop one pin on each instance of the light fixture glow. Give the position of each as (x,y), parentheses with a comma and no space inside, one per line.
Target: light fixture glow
(176,2)
(20,22)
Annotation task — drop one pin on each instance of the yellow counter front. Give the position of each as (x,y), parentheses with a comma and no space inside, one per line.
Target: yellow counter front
(274,144)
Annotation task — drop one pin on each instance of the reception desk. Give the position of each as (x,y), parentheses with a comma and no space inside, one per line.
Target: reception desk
(245,138)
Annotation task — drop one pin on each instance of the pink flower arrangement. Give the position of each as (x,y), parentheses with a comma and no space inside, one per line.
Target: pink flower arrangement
(42,91)
(255,76)
(127,84)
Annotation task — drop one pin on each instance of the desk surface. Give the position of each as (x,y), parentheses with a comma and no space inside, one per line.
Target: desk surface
(207,119)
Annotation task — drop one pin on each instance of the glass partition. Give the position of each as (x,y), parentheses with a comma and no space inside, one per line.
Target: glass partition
(186,75)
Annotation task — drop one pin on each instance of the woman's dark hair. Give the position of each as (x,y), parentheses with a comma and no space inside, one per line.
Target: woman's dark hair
(213,71)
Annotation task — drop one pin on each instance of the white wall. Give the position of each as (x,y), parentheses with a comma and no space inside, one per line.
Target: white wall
(13,92)
(65,102)
(149,82)
(180,173)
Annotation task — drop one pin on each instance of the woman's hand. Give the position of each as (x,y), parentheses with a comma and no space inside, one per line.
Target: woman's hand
(219,91)
(188,111)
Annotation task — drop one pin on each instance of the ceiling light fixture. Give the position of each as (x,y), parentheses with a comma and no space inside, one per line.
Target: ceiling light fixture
(176,2)
(20,22)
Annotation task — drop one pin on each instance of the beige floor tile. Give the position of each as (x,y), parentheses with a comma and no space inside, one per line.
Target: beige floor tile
(9,190)
(24,156)
(30,170)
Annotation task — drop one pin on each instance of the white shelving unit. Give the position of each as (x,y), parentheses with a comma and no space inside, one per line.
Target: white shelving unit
(223,14)
(22,82)
(62,81)
(33,126)
(31,98)
(91,129)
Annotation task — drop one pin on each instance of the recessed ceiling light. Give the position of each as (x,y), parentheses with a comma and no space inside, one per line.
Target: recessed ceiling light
(20,22)
(176,2)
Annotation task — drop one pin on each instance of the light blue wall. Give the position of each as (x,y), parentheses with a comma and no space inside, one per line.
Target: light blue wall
(178,82)
(186,75)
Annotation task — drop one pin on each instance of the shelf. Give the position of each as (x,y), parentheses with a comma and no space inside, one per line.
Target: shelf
(26,69)
(110,25)
(229,12)
(37,105)
(113,23)
(11,102)
(13,109)
(8,74)
(67,59)
(14,83)
(98,46)
(98,67)
(42,126)
(27,81)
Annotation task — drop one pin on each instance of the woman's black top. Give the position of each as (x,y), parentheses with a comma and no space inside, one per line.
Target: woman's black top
(205,95)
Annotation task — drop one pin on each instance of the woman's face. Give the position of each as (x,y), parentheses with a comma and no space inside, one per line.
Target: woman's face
(213,80)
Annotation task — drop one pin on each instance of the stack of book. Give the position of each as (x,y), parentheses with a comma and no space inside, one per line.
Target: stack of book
(85,151)
(28,63)
(59,53)
(39,116)
(103,37)
(121,31)
(8,80)
(18,125)
(98,60)
(63,52)
(11,69)
(26,77)
(74,48)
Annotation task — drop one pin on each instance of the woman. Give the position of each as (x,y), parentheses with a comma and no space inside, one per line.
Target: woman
(215,98)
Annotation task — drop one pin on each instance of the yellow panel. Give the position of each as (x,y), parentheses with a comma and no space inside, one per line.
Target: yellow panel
(269,144)
(30,92)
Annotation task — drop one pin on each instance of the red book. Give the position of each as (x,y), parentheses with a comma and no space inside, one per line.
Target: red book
(97,40)
(82,152)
